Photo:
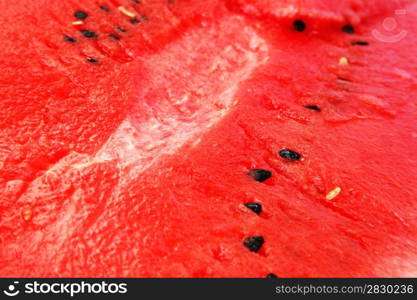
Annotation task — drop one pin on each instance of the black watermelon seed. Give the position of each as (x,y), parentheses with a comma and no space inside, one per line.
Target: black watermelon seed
(89,34)
(134,21)
(80,15)
(255,207)
(299,25)
(92,60)
(254,243)
(348,29)
(114,36)
(69,39)
(121,29)
(136,1)
(313,107)
(271,275)
(260,174)
(360,43)
(289,155)
(104,8)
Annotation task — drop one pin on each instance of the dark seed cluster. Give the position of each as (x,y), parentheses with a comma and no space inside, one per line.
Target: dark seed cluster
(254,243)
(82,15)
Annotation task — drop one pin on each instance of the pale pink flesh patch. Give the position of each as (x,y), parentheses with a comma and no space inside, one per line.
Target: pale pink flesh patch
(188,90)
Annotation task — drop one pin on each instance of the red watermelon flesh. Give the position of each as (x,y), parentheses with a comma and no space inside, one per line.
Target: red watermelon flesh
(126,142)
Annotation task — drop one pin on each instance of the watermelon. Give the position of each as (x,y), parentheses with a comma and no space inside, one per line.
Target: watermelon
(228,138)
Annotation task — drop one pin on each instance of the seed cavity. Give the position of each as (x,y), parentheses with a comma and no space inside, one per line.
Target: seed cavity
(343,79)
(114,36)
(313,107)
(134,21)
(89,34)
(69,39)
(271,275)
(92,60)
(255,207)
(299,25)
(360,43)
(80,15)
(289,155)
(121,29)
(348,29)
(104,8)
(260,174)
(126,12)
(254,243)
(333,193)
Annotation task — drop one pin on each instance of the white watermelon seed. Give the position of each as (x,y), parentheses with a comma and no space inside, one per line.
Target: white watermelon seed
(27,214)
(126,12)
(333,193)
(343,61)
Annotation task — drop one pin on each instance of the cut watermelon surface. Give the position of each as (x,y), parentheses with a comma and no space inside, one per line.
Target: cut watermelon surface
(208,138)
